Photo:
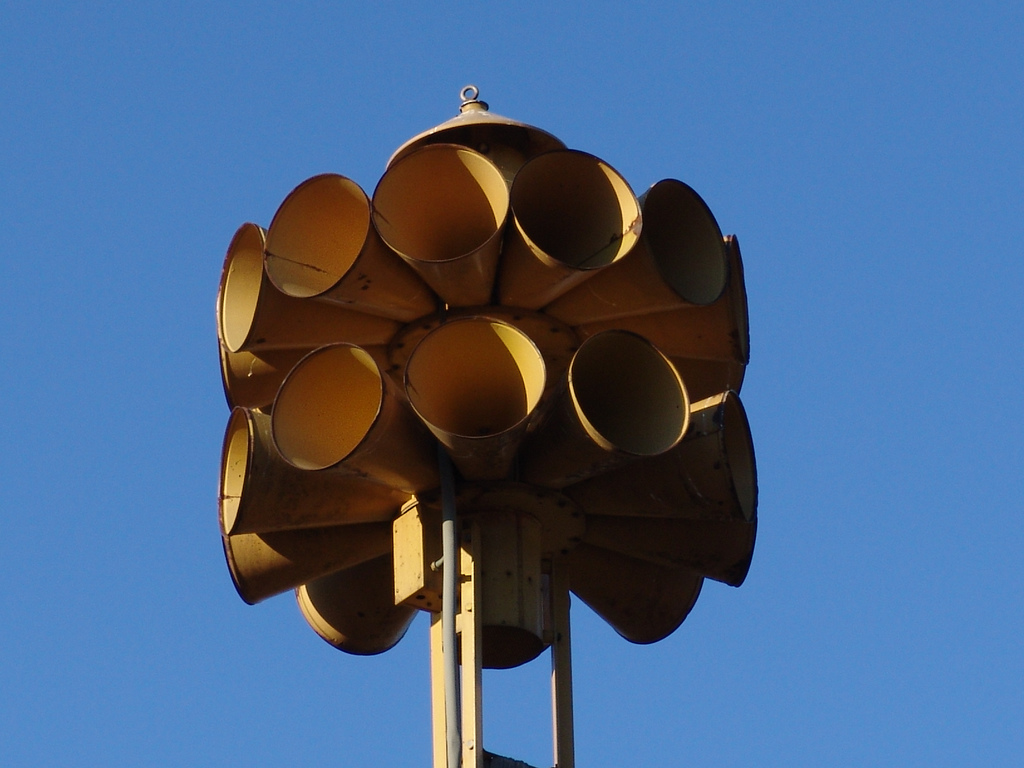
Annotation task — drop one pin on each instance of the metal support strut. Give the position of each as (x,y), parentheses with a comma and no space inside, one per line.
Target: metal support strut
(449,584)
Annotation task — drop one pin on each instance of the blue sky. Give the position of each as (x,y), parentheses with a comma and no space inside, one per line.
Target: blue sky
(868,156)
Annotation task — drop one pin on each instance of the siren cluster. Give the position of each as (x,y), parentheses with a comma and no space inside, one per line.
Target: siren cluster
(575,350)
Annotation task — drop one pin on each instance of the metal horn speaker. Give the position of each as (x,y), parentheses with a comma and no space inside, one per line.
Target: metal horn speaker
(322,244)
(476,382)
(253,315)
(700,499)
(261,492)
(680,260)
(442,208)
(644,602)
(621,400)
(266,564)
(354,610)
(337,410)
(573,214)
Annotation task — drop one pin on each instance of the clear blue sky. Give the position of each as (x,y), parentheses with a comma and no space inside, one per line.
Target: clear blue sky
(870,158)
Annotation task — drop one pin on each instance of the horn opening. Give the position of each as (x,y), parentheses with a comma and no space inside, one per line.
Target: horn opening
(240,286)
(442,209)
(317,234)
(685,241)
(621,400)
(628,395)
(573,214)
(260,492)
(475,382)
(326,406)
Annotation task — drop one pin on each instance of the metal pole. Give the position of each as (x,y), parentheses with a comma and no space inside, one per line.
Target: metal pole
(472,679)
(561,670)
(450,575)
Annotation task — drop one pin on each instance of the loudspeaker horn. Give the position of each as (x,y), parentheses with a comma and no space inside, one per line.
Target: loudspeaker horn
(718,549)
(354,610)
(718,332)
(710,475)
(252,315)
(442,209)
(260,492)
(680,260)
(644,602)
(337,410)
(572,215)
(476,382)
(621,400)
(266,564)
(322,244)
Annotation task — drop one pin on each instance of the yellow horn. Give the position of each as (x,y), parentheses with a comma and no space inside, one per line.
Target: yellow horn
(718,549)
(354,610)
(266,564)
(260,492)
(251,379)
(321,244)
(252,315)
(711,475)
(716,333)
(644,602)
(442,208)
(476,382)
(680,260)
(573,214)
(621,400)
(336,409)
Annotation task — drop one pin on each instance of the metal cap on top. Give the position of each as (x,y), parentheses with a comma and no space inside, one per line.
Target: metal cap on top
(506,142)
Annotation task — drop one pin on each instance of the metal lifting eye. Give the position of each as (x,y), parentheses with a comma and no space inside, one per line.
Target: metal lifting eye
(469,93)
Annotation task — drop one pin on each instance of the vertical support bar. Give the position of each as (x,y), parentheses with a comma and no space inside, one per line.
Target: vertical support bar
(561,670)
(472,633)
(437,693)
(449,596)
